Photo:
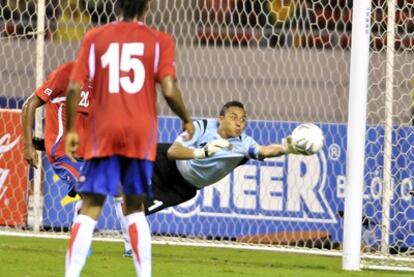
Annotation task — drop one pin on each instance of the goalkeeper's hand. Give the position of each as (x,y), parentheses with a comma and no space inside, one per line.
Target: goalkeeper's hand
(289,147)
(211,148)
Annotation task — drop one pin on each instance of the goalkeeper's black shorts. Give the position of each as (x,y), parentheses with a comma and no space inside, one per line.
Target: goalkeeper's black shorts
(168,186)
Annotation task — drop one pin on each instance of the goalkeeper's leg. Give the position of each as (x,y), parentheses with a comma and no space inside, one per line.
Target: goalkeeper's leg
(168,186)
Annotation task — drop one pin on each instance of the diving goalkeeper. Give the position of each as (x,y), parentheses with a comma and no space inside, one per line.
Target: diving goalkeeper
(217,147)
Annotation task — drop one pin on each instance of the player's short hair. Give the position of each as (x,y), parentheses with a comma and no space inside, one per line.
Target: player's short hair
(132,8)
(229,104)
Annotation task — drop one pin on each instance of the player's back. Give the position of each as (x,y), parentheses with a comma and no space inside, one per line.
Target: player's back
(123,64)
(53,93)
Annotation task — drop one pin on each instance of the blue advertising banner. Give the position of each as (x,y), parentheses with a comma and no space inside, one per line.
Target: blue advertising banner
(287,194)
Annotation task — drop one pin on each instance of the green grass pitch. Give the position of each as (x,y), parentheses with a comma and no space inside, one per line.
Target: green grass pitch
(45,257)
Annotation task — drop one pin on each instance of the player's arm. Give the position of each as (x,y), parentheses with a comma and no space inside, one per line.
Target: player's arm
(178,151)
(172,95)
(277,150)
(28,116)
(260,152)
(271,151)
(166,76)
(72,100)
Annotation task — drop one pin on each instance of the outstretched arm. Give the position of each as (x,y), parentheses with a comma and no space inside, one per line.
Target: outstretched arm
(28,115)
(277,150)
(271,151)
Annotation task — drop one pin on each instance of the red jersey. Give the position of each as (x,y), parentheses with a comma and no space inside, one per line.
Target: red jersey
(53,93)
(123,61)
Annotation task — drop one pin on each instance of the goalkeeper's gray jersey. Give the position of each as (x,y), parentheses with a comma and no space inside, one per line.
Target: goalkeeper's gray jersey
(204,172)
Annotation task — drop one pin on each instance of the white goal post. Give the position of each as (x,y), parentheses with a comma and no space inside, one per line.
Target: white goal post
(357,110)
(288,61)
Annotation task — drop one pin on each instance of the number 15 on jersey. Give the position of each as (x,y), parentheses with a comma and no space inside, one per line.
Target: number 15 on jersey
(128,62)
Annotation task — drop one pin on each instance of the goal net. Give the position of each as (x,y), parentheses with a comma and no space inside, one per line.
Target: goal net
(288,61)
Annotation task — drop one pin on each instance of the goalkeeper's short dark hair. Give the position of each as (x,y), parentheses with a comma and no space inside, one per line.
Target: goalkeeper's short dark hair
(132,8)
(229,104)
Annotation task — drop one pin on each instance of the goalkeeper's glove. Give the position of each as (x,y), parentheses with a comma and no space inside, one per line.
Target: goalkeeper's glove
(289,147)
(211,148)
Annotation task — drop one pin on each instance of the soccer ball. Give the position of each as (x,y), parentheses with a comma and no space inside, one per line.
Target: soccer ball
(308,138)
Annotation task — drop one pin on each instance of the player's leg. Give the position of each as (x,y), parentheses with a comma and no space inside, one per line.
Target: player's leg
(139,233)
(120,214)
(100,177)
(81,233)
(76,212)
(69,173)
(136,176)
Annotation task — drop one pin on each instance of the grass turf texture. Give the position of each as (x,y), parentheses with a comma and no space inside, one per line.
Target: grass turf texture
(45,257)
